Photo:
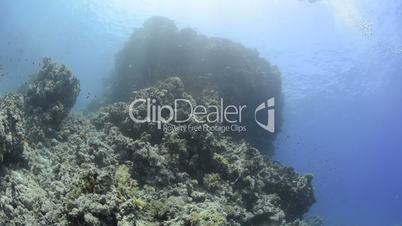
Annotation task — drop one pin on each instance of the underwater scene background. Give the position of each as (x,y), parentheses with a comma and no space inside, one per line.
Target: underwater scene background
(340,90)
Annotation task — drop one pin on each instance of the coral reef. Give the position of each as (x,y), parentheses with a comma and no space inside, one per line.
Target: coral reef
(210,68)
(45,102)
(11,127)
(103,169)
(52,94)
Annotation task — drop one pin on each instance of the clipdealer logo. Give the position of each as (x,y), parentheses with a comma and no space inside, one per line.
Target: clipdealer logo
(232,115)
(269,106)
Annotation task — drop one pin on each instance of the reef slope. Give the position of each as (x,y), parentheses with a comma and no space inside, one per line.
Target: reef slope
(66,169)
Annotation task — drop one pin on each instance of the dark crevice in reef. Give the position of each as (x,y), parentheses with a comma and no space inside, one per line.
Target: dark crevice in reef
(104,169)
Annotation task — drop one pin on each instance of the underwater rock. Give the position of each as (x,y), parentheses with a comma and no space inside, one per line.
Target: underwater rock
(45,102)
(52,93)
(11,127)
(210,69)
(103,169)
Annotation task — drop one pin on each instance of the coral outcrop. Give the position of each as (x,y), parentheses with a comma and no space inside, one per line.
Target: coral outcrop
(210,68)
(103,169)
(52,94)
(45,102)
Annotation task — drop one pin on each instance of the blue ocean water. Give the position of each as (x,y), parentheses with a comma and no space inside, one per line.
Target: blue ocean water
(341,64)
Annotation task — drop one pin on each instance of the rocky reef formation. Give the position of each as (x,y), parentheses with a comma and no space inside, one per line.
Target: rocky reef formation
(44,103)
(103,169)
(52,94)
(209,68)
(11,127)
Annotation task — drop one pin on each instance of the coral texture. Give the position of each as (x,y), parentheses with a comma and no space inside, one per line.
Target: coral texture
(52,94)
(11,127)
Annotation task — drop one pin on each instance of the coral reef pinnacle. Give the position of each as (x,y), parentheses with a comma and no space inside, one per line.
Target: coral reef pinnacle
(103,169)
(210,68)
